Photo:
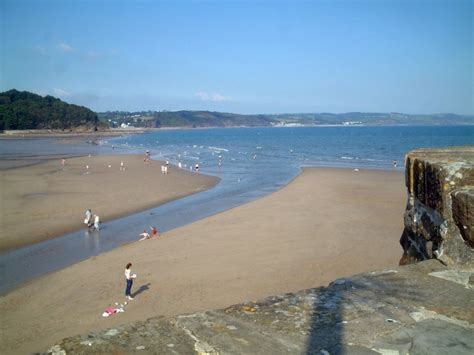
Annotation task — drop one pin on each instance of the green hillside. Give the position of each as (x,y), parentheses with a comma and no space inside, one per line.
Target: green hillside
(25,110)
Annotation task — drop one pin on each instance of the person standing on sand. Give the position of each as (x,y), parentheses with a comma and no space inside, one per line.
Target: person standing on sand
(129,281)
(96,222)
(88,220)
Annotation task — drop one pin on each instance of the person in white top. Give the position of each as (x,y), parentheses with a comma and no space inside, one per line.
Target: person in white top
(88,220)
(129,281)
(96,222)
(144,236)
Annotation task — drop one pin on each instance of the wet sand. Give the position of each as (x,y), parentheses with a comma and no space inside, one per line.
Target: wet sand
(43,201)
(327,223)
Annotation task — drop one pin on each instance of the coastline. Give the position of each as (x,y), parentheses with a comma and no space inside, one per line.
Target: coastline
(44,201)
(326,223)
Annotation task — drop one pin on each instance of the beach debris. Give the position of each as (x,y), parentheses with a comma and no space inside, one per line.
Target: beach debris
(111,332)
(249,309)
(356,169)
(56,350)
(140,347)
(112,310)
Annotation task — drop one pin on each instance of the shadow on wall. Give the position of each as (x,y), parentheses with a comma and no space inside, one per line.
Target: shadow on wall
(348,314)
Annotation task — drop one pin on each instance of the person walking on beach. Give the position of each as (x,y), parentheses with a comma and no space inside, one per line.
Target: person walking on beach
(129,281)
(88,220)
(96,222)
(122,167)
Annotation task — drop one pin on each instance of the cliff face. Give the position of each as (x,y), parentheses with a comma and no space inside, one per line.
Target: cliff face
(439,216)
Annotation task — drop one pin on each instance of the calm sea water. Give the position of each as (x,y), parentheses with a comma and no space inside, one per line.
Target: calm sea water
(259,160)
(254,161)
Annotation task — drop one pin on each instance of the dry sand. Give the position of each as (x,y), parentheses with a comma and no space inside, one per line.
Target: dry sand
(327,223)
(44,200)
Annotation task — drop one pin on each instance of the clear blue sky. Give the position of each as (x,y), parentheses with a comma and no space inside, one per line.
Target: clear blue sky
(243,56)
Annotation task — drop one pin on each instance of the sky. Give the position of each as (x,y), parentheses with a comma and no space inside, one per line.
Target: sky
(243,56)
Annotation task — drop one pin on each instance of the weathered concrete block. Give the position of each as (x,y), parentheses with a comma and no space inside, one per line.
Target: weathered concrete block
(439,214)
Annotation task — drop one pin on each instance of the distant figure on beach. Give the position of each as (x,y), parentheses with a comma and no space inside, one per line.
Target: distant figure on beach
(63,162)
(154,232)
(88,220)
(394,164)
(129,281)
(144,235)
(196,167)
(122,166)
(96,222)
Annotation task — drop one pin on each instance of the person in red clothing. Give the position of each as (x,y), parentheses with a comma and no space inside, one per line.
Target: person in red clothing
(154,232)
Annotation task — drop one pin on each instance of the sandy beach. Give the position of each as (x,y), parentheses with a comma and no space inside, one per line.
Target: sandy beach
(326,224)
(47,200)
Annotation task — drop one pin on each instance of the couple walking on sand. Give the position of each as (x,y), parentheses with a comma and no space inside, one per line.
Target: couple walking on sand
(88,220)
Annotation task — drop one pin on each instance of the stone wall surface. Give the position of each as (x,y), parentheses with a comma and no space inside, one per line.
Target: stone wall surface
(439,218)
(424,308)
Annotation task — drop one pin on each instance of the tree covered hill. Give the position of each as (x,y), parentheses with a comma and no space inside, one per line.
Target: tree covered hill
(192,119)
(25,110)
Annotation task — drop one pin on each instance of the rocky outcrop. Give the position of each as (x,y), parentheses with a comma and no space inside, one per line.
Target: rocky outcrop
(439,218)
(399,311)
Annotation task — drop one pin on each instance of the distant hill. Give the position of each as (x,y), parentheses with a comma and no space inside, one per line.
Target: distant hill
(192,119)
(373,118)
(25,110)
(155,119)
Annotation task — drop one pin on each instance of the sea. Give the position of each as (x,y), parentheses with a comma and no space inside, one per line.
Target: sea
(250,162)
(255,161)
